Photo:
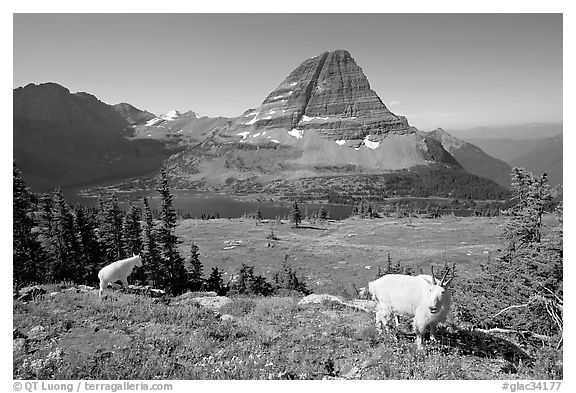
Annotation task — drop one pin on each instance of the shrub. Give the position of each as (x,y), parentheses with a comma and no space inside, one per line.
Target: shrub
(249,283)
(286,278)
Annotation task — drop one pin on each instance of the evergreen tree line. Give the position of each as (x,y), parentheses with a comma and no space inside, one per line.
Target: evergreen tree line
(55,242)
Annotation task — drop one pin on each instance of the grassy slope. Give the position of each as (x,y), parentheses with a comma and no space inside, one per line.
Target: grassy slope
(331,254)
(134,337)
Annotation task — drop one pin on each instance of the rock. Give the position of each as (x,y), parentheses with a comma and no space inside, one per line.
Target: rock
(85,288)
(146,290)
(227,317)
(18,346)
(16,333)
(213,302)
(31,293)
(38,332)
(319,298)
(357,304)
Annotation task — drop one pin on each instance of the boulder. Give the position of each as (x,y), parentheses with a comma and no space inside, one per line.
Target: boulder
(30,293)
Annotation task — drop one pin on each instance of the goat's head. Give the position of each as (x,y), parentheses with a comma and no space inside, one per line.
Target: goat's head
(137,260)
(438,292)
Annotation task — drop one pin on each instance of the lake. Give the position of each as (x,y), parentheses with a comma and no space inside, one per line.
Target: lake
(196,204)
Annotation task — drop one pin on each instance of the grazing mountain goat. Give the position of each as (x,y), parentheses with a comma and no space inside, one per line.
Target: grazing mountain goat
(422,297)
(118,271)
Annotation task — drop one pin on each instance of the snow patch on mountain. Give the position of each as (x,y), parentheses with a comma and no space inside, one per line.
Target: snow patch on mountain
(298,134)
(173,114)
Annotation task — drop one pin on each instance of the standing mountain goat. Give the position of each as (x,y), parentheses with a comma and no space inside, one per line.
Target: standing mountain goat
(118,271)
(422,297)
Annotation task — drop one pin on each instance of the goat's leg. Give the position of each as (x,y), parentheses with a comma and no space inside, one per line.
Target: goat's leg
(433,331)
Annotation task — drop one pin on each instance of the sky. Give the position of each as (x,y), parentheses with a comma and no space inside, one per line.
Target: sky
(454,71)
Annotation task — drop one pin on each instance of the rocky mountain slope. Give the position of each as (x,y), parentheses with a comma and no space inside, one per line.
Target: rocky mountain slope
(473,159)
(322,119)
(178,127)
(63,138)
(132,114)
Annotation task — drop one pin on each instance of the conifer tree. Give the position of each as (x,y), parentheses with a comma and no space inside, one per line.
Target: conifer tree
(65,266)
(151,252)
(89,255)
(176,280)
(531,194)
(215,282)
(295,215)
(110,228)
(28,254)
(323,214)
(132,231)
(195,269)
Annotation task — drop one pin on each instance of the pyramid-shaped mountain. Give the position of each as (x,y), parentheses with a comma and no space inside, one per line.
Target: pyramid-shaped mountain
(331,94)
(326,111)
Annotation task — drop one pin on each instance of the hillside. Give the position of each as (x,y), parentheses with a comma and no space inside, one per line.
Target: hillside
(70,334)
(63,138)
(546,156)
(506,150)
(473,159)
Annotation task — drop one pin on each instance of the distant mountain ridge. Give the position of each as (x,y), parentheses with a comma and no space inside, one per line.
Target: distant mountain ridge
(63,138)
(513,131)
(473,159)
(323,120)
(547,157)
(132,114)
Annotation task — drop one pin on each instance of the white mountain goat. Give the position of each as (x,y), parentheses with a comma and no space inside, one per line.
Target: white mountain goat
(422,297)
(118,271)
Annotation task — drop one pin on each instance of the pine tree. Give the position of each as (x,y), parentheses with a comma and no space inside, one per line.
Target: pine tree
(110,228)
(195,269)
(531,194)
(215,282)
(66,265)
(295,215)
(323,214)
(151,254)
(90,254)
(132,231)
(176,280)
(28,254)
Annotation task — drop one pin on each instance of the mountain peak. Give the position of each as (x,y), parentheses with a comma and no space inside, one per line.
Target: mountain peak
(330,94)
(171,115)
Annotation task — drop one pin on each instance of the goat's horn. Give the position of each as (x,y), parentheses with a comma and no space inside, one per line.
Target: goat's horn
(443,278)
(450,279)
(433,277)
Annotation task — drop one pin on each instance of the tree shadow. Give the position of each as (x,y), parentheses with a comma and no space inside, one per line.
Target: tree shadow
(311,227)
(471,342)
